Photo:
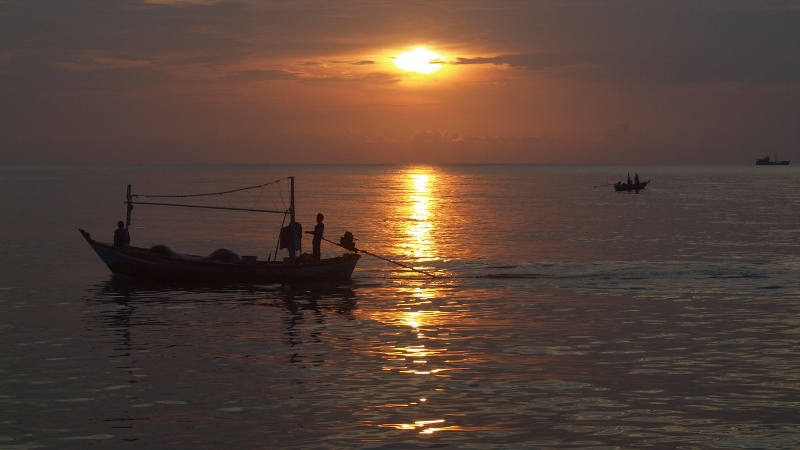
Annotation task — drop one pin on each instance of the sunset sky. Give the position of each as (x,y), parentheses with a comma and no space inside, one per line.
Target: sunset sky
(315,81)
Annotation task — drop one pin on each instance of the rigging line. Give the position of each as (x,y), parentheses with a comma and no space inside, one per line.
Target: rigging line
(227,200)
(272,199)
(280,193)
(259,196)
(212,193)
(286,200)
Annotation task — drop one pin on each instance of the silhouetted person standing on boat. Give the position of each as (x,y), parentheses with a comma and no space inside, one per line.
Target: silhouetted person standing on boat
(121,236)
(636,179)
(319,230)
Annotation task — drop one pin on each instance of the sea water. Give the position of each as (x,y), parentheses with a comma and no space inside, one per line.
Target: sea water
(563,314)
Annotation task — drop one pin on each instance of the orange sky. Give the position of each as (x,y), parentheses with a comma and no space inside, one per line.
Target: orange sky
(255,81)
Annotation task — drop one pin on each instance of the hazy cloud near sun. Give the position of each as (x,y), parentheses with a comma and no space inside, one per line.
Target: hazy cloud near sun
(527,61)
(534,81)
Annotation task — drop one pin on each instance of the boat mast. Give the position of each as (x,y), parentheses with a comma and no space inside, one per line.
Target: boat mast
(291,200)
(130,208)
(292,225)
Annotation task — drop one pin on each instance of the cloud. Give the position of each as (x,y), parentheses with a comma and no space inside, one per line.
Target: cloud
(88,61)
(437,136)
(599,72)
(530,61)
(249,76)
(181,2)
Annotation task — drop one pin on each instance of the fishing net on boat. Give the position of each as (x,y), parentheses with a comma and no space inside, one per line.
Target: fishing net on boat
(162,249)
(219,255)
(223,255)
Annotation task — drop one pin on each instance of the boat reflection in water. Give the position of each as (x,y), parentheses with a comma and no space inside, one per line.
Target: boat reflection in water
(123,305)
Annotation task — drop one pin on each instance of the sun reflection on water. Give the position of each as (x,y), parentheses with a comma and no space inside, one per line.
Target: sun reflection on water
(416,212)
(423,425)
(416,352)
(417,349)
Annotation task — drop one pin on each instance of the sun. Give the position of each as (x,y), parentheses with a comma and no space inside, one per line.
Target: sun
(419,60)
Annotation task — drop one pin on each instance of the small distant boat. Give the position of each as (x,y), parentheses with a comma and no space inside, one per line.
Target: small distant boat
(620,186)
(160,263)
(765,161)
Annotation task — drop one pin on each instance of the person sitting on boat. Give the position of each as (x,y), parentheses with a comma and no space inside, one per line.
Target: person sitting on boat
(121,236)
(319,230)
(629,180)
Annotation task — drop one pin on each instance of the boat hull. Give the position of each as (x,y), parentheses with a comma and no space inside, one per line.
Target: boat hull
(141,263)
(631,187)
(765,161)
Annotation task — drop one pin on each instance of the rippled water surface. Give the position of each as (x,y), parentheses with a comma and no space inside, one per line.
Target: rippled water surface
(564,314)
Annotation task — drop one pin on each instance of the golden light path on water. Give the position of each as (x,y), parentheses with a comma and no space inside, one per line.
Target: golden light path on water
(416,312)
(415,211)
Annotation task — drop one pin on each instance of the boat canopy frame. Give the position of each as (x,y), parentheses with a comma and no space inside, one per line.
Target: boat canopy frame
(130,200)
(290,211)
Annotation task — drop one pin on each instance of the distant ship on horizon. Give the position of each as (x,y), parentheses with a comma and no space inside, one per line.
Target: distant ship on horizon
(765,161)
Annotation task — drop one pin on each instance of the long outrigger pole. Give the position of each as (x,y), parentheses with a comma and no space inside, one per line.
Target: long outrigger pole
(380,257)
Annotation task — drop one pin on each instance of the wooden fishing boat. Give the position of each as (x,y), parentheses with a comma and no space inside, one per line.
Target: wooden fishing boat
(620,186)
(162,264)
(157,265)
(765,161)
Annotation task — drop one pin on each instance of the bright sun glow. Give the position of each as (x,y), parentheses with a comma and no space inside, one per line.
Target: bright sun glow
(419,60)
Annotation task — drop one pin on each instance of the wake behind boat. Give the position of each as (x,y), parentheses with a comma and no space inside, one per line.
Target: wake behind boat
(160,263)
